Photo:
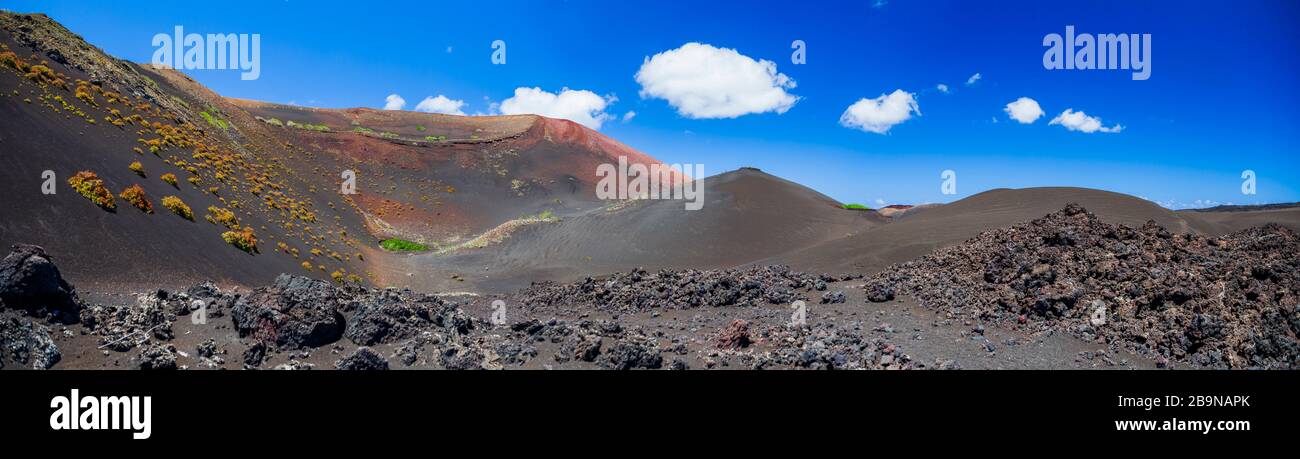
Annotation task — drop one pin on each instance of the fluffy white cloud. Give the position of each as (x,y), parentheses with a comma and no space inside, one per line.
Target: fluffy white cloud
(580,106)
(879,114)
(440,104)
(1024,110)
(943,88)
(628,116)
(973,78)
(394,102)
(702,81)
(1080,121)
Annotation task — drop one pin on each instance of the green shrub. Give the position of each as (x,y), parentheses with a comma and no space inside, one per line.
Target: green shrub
(217,122)
(856,207)
(401,245)
(308,126)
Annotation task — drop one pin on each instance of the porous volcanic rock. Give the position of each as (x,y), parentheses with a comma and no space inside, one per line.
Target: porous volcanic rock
(639,290)
(734,336)
(363,359)
(386,316)
(292,313)
(1222,302)
(24,342)
(30,281)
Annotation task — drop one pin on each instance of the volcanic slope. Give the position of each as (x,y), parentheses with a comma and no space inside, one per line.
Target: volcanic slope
(1227,219)
(921,230)
(68,108)
(269,175)
(747,215)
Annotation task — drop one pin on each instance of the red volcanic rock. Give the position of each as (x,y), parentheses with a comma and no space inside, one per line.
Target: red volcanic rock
(734,336)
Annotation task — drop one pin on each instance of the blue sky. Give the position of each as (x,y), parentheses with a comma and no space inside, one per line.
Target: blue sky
(1222,96)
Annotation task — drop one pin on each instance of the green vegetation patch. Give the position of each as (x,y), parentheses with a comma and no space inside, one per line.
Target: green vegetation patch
(402,245)
(853,206)
(271,121)
(309,126)
(217,122)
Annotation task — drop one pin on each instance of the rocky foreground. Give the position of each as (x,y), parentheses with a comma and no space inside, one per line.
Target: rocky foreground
(303,322)
(1218,302)
(1005,299)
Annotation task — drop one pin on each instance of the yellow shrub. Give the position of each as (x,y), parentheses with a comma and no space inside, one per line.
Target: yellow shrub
(137,168)
(87,184)
(134,195)
(41,74)
(178,207)
(306,265)
(169,177)
(8,58)
(223,216)
(244,239)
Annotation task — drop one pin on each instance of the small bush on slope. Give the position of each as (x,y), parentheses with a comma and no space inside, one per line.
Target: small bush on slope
(87,184)
(134,195)
(178,207)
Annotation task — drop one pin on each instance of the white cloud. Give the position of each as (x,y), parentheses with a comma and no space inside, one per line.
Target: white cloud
(394,102)
(628,116)
(702,81)
(973,79)
(943,88)
(879,114)
(440,104)
(880,202)
(1080,121)
(1024,110)
(580,106)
